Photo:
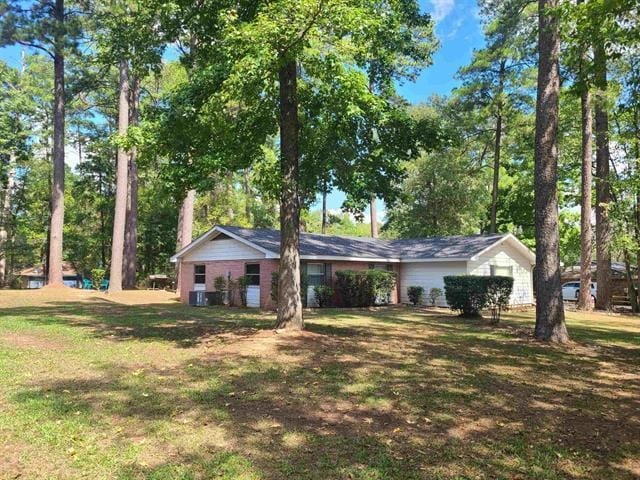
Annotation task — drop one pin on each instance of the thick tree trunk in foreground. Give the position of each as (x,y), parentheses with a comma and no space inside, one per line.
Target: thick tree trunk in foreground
(54,270)
(373,209)
(289,298)
(584,298)
(636,126)
(185,228)
(5,215)
(122,169)
(550,325)
(496,151)
(131,225)
(603,192)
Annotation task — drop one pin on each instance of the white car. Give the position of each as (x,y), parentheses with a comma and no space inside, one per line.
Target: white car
(571,290)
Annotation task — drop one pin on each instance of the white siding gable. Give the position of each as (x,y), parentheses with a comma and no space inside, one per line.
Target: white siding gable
(506,255)
(222,249)
(428,275)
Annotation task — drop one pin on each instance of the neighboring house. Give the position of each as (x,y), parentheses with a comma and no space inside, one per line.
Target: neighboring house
(231,252)
(34,277)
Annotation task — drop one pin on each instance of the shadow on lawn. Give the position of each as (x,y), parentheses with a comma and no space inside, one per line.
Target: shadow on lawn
(182,325)
(402,394)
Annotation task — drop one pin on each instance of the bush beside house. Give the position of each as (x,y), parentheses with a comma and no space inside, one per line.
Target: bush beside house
(364,288)
(415,294)
(470,294)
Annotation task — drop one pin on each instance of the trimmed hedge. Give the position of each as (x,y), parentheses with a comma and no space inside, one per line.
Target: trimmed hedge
(415,294)
(469,294)
(324,295)
(361,288)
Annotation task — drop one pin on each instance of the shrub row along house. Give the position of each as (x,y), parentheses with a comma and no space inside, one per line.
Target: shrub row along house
(234,252)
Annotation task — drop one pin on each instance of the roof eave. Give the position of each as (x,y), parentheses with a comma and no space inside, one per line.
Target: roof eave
(429,260)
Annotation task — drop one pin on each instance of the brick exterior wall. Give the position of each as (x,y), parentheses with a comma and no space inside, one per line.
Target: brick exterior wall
(222,268)
(218,268)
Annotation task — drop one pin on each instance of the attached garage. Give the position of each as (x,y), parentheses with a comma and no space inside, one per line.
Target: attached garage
(428,275)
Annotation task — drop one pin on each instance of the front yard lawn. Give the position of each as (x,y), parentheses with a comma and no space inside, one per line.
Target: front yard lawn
(139,386)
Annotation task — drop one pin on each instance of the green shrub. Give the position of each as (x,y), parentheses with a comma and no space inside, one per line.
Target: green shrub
(498,293)
(97,276)
(220,284)
(242,283)
(415,294)
(363,288)
(469,294)
(324,295)
(434,294)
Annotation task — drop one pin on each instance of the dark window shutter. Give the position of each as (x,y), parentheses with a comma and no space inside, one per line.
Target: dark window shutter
(328,274)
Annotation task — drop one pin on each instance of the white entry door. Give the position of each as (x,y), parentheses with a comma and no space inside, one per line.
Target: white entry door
(253,296)
(312,301)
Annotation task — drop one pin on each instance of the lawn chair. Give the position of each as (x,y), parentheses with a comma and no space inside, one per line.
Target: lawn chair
(104,285)
(87,284)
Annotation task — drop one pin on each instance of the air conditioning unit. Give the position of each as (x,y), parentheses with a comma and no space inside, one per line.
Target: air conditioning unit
(197,299)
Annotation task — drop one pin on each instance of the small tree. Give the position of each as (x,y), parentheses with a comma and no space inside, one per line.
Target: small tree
(242,283)
(97,276)
(434,294)
(498,292)
(219,284)
(415,294)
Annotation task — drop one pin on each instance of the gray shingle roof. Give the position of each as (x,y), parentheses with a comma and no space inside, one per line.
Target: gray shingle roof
(313,244)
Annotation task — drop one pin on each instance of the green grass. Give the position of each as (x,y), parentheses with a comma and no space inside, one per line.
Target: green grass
(91,388)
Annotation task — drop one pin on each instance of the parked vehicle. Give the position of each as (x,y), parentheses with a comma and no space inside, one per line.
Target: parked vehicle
(571,291)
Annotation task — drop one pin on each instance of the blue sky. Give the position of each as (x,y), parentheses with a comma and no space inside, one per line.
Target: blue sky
(459,31)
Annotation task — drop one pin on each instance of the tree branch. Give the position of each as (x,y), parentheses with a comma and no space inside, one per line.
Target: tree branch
(36,46)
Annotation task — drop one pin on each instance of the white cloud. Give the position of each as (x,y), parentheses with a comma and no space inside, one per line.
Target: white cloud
(442,8)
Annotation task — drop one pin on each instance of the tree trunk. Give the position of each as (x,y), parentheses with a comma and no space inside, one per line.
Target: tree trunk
(289,298)
(122,168)
(5,216)
(246,187)
(631,288)
(373,209)
(185,228)
(584,297)
(131,226)
(54,272)
(603,192)
(550,325)
(496,151)
(324,211)
(636,144)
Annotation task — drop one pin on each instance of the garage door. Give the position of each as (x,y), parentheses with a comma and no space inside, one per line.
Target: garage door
(428,275)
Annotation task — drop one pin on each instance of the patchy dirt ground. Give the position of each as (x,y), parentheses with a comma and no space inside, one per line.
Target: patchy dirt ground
(138,386)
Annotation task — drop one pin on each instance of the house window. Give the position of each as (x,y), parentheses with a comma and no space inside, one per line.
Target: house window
(381,266)
(252,272)
(199,276)
(315,274)
(501,271)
